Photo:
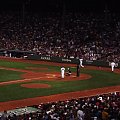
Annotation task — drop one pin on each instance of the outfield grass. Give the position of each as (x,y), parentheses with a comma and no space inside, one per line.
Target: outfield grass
(15,91)
(25,66)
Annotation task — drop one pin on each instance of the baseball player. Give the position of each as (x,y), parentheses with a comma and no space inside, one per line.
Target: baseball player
(81,62)
(112,66)
(62,72)
(68,73)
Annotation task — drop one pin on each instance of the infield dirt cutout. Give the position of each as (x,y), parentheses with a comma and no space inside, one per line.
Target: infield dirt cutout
(29,76)
(51,76)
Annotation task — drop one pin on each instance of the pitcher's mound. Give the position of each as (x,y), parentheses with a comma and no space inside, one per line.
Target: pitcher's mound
(36,85)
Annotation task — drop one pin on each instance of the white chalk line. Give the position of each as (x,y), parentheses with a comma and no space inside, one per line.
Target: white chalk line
(25,80)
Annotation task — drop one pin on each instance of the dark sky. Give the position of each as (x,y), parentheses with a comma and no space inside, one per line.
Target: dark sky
(77,5)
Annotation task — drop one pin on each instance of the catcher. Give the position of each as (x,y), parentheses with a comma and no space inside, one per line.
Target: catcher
(68,73)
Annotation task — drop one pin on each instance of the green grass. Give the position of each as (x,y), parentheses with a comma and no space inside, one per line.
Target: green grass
(15,91)
(7,75)
(25,66)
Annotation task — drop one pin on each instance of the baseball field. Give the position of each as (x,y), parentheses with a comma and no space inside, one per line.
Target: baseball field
(27,82)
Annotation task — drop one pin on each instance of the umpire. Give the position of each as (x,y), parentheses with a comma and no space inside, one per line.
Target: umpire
(78,70)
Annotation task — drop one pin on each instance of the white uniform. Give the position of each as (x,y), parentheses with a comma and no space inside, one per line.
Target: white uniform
(62,72)
(112,66)
(81,62)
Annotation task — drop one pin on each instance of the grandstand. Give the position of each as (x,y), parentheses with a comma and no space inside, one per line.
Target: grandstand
(60,31)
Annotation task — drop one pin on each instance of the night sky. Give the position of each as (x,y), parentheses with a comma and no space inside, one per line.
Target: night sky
(57,5)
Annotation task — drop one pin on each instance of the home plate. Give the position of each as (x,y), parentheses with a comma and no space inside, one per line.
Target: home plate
(51,75)
(73,76)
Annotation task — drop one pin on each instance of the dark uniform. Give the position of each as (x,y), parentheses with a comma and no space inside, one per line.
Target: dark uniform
(78,70)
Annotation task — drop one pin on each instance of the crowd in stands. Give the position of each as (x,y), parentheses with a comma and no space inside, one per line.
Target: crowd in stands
(99,107)
(88,35)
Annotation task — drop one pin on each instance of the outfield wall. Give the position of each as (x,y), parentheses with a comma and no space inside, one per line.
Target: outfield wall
(70,60)
(33,56)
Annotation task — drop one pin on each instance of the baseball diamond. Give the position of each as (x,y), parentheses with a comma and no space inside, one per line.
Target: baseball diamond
(48,74)
(59,60)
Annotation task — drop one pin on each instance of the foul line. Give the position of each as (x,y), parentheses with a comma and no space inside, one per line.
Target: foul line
(24,80)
